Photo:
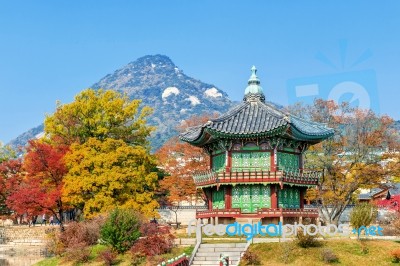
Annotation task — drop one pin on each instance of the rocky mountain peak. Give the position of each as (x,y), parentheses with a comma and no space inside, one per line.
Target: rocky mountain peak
(173,95)
(161,85)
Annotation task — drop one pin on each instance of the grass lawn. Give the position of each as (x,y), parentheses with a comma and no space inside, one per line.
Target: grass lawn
(123,260)
(349,252)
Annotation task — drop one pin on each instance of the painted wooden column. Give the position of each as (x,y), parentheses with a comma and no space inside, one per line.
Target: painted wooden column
(228,197)
(301,161)
(274,160)
(302,193)
(209,198)
(228,165)
(274,197)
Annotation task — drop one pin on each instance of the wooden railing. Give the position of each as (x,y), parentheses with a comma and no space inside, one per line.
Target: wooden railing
(299,176)
(181,260)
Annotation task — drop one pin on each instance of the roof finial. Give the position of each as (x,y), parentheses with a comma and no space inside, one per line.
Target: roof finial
(253,70)
(254,90)
(253,78)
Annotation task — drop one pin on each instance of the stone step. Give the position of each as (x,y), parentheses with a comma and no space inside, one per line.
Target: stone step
(205,250)
(223,245)
(218,249)
(214,263)
(205,254)
(210,253)
(198,258)
(228,249)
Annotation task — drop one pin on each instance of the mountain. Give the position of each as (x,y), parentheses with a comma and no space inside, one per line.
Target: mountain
(161,85)
(23,139)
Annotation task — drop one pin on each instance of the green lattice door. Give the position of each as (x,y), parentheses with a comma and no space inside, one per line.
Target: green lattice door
(289,197)
(250,198)
(288,161)
(218,199)
(218,162)
(251,160)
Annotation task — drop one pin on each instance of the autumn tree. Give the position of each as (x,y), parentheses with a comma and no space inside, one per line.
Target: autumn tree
(40,188)
(11,175)
(363,214)
(6,152)
(109,162)
(352,159)
(180,160)
(100,114)
(107,173)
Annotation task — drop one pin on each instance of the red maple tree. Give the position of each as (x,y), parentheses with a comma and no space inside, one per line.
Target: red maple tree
(11,175)
(40,189)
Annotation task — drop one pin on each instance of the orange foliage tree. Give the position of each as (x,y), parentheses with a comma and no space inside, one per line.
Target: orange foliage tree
(180,160)
(352,159)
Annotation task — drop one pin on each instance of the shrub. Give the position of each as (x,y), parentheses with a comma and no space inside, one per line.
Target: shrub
(54,246)
(77,252)
(362,215)
(307,240)
(137,259)
(109,257)
(396,225)
(75,237)
(121,229)
(251,258)
(156,240)
(328,256)
(87,232)
(395,254)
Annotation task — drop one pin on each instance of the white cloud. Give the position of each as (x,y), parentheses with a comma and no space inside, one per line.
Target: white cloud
(212,92)
(168,91)
(193,100)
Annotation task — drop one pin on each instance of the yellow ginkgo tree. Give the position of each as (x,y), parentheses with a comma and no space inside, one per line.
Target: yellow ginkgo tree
(99,114)
(105,174)
(109,163)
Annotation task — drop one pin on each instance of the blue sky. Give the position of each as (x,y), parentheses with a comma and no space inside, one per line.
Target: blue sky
(50,50)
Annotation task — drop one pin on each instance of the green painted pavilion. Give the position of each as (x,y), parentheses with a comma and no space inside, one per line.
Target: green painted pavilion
(256,161)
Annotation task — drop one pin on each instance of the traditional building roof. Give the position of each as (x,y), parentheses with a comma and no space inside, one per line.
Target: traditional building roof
(255,118)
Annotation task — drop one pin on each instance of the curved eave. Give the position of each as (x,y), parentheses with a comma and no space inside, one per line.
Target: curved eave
(261,183)
(207,135)
(315,138)
(199,138)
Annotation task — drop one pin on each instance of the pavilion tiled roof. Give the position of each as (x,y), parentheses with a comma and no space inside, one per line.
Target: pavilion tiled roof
(254,117)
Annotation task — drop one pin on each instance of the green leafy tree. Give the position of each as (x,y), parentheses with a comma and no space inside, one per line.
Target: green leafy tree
(99,114)
(363,214)
(109,173)
(121,229)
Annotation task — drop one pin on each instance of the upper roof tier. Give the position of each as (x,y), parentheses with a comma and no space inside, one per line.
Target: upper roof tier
(255,118)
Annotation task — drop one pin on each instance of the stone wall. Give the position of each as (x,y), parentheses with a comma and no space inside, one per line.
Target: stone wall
(184,215)
(24,235)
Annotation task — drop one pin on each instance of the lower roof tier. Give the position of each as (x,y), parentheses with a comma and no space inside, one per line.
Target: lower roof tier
(210,178)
